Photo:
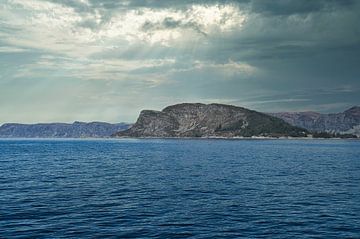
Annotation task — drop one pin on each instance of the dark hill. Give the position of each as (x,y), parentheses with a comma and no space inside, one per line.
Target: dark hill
(212,120)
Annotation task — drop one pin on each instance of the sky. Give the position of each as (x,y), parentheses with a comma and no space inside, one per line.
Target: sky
(106,60)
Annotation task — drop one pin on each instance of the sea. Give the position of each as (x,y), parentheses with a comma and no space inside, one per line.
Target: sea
(179,188)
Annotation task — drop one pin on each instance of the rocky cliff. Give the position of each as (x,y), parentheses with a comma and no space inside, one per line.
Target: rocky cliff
(347,122)
(61,130)
(212,120)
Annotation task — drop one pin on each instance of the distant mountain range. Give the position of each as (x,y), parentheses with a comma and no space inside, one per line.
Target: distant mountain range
(347,122)
(212,120)
(61,130)
(200,120)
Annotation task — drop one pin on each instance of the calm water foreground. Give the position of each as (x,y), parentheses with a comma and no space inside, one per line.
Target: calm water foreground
(179,188)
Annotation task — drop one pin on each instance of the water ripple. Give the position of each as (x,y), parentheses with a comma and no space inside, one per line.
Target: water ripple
(179,189)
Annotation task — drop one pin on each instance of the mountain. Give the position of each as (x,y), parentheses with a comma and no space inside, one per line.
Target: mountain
(61,130)
(347,122)
(212,120)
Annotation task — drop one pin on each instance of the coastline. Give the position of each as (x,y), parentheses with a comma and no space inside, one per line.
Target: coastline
(239,138)
(179,138)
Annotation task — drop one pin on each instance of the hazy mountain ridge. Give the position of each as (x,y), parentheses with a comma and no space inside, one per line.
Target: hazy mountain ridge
(347,122)
(197,120)
(61,130)
(212,120)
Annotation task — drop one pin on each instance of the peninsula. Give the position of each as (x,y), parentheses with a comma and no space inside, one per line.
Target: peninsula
(209,120)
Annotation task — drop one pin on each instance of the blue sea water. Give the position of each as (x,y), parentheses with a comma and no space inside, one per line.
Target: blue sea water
(179,188)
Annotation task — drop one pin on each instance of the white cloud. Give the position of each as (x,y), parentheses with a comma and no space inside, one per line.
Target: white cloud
(224,71)
(231,67)
(197,19)
(45,26)
(58,28)
(215,17)
(10,49)
(90,69)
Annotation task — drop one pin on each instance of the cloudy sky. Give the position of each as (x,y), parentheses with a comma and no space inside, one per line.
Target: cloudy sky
(105,60)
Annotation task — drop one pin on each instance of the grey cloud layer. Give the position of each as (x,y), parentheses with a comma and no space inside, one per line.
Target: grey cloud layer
(269,55)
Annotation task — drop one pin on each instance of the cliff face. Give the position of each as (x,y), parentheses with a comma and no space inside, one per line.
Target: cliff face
(345,122)
(61,130)
(200,120)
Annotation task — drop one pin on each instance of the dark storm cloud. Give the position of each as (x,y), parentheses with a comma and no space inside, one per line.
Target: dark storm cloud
(278,7)
(77,5)
(115,4)
(174,3)
(311,50)
(170,23)
(289,7)
(297,38)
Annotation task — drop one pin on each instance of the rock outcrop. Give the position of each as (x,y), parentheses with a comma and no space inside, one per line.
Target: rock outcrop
(212,120)
(347,122)
(61,130)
